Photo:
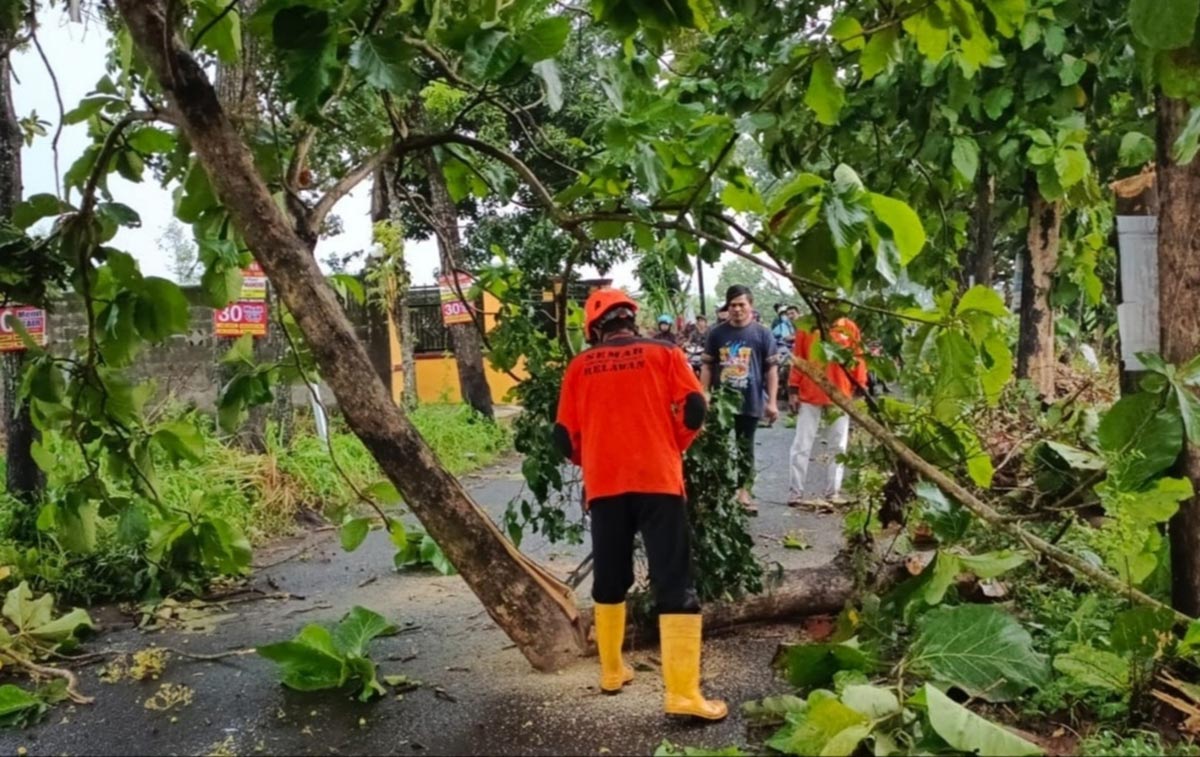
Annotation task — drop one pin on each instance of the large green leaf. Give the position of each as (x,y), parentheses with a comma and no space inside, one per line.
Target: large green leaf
(307,41)
(880,54)
(490,54)
(1164,24)
(874,702)
(181,439)
(1094,668)
(968,732)
(849,32)
(949,520)
(385,62)
(980,649)
(16,705)
(808,665)
(965,156)
(161,310)
(353,532)
(1139,440)
(37,207)
(310,662)
(982,299)
(545,39)
(825,94)
(826,727)
(907,230)
(1009,15)
(356,630)
(547,71)
(223,31)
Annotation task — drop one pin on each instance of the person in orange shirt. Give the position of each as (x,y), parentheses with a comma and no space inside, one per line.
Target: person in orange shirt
(808,401)
(628,409)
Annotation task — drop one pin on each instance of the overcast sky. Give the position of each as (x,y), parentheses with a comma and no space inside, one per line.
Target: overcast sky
(77,53)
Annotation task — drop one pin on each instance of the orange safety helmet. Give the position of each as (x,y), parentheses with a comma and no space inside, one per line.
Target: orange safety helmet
(600,302)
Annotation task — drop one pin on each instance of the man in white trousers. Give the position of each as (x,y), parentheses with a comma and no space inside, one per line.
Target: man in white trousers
(813,410)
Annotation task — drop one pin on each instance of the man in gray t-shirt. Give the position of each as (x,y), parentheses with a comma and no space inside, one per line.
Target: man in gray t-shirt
(741,354)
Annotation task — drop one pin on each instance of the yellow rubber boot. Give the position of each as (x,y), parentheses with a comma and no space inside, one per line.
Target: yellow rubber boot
(610,636)
(681,669)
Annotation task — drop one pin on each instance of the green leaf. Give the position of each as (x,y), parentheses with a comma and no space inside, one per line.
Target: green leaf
(385,493)
(37,207)
(848,32)
(965,157)
(740,195)
(545,39)
(968,732)
(161,310)
(931,32)
(1137,149)
(489,55)
(310,662)
(25,612)
(1187,144)
(874,702)
(16,702)
(982,299)
(1139,440)
(1072,70)
(386,63)
(993,564)
(822,728)
(807,665)
(949,520)
(152,140)
(1164,24)
(356,630)
(181,439)
(825,94)
(996,101)
(1072,165)
(308,45)
(1009,15)
(63,628)
(1078,459)
(222,285)
(547,71)
(1093,668)
(880,53)
(353,532)
(223,31)
(1140,631)
(907,229)
(980,649)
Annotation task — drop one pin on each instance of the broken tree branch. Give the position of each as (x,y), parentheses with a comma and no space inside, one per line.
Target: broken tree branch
(974,504)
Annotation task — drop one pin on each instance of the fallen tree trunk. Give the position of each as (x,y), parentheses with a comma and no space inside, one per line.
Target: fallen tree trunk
(536,610)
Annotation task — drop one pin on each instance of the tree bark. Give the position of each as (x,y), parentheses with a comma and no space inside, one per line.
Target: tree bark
(1179,324)
(983,263)
(1036,359)
(464,337)
(536,611)
(238,88)
(25,479)
(385,206)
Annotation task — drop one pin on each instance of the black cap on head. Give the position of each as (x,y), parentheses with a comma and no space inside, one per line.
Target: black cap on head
(738,290)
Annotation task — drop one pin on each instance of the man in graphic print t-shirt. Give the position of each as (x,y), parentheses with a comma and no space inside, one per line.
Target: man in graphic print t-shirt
(741,354)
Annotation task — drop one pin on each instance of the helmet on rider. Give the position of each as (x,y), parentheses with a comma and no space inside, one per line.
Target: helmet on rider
(665,319)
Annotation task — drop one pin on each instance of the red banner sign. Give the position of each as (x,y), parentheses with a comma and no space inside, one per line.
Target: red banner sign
(241,318)
(34,321)
(454,308)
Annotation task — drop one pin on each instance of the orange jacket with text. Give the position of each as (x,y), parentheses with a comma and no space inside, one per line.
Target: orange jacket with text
(628,410)
(844,333)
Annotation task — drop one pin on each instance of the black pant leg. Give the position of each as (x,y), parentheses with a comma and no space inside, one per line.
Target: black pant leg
(613,527)
(662,519)
(744,429)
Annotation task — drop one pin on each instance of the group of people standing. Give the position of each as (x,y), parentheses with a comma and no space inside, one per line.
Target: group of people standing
(628,409)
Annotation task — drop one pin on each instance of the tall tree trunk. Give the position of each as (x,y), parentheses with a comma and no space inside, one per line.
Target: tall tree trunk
(25,479)
(983,262)
(1179,324)
(464,337)
(385,206)
(1036,360)
(536,611)
(238,90)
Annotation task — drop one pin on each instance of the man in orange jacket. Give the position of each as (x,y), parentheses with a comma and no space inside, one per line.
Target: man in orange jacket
(628,410)
(809,403)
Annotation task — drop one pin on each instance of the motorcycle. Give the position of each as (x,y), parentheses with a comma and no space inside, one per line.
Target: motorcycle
(694,354)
